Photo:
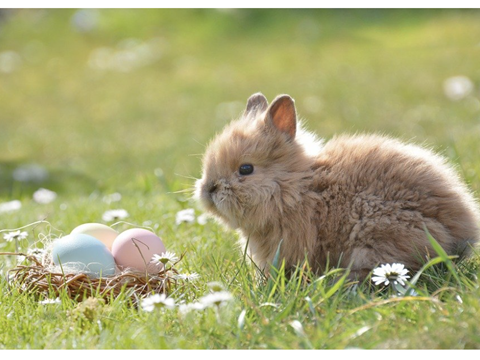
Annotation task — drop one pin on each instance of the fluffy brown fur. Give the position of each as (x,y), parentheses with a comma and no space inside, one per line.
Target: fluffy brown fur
(355,201)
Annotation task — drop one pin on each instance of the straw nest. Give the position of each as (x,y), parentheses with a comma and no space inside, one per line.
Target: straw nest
(37,275)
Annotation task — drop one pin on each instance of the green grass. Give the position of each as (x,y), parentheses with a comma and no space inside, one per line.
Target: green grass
(141,133)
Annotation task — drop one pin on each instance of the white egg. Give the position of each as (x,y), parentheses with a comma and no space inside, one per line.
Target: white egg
(101,232)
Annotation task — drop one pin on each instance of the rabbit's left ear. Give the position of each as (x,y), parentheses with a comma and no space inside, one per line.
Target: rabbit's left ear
(256,103)
(283,116)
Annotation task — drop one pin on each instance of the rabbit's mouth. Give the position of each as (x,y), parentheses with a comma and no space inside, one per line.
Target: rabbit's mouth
(217,197)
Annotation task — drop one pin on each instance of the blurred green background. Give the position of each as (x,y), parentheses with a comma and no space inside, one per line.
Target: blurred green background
(126,99)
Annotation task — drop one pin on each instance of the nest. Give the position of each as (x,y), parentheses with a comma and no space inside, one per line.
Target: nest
(39,277)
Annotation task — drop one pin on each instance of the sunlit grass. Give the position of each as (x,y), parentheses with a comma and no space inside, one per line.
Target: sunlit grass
(99,124)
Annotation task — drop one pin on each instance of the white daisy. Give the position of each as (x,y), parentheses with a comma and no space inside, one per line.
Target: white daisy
(390,272)
(10,206)
(114,215)
(50,301)
(165,258)
(157,301)
(188,276)
(202,219)
(44,196)
(194,306)
(216,299)
(185,216)
(15,235)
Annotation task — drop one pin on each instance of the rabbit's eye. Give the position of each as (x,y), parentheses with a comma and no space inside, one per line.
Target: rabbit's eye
(245,169)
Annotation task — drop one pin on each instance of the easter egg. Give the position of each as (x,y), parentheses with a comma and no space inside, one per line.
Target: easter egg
(83,253)
(134,248)
(101,232)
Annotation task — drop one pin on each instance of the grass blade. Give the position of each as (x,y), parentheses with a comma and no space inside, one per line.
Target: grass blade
(443,255)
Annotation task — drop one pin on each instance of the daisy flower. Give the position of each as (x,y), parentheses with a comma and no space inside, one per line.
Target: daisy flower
(185,216)
(202,219)
(15,235)
(165,258)
(188,276)
(194,306)
(50,301)
(113,215)
(157,301)
(390,272)
(216,299)
(44,196)
(10,206)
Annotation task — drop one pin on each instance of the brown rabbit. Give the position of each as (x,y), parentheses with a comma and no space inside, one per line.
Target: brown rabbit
(356,201)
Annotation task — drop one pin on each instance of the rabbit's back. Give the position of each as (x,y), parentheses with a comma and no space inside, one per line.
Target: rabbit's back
(380,194)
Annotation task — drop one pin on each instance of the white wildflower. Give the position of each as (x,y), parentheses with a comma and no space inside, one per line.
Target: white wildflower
(157,301)
(194,306)
(202,219)
(44,196)
(390,272)
(216,299)
(165,258)
(15,235)
(188,276)
(50,301)
(458,87)
(10,206)
(114,215)
(185,216)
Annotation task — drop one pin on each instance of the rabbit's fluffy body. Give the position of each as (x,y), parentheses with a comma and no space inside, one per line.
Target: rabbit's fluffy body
(356,201)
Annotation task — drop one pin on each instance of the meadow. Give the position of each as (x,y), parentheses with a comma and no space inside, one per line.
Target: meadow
(111,109)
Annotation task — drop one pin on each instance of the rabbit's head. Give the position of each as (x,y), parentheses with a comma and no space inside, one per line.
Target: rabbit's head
(254,170)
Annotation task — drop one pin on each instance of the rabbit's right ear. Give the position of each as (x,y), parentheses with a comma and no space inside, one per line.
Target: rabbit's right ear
(256,103)
(283,116)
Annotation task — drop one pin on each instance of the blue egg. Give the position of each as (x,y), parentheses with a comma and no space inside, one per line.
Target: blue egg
(83,253)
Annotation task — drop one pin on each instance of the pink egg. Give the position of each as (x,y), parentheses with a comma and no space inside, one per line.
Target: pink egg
(134,248)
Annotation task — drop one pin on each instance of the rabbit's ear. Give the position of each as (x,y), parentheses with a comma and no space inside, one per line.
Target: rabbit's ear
(256,103)
(282,115)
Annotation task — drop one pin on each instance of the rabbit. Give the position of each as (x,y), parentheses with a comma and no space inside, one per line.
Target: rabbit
(355,201)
